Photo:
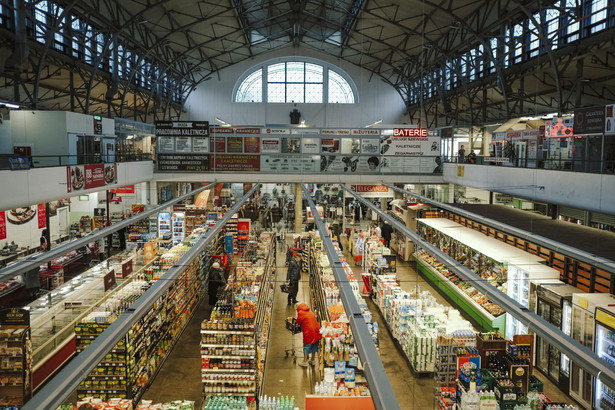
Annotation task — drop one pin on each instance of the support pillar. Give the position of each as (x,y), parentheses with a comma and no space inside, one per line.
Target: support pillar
(298,208)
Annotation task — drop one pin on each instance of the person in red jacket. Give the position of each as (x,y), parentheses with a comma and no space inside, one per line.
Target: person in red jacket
(311,333)
(225,262)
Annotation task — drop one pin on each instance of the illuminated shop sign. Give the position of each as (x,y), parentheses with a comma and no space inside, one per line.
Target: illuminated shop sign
(409,132)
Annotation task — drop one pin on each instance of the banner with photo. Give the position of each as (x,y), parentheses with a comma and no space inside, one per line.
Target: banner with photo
(270,145)
(90,176)
(348,164)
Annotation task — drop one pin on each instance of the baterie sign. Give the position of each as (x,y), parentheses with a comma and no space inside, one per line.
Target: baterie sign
(410,132)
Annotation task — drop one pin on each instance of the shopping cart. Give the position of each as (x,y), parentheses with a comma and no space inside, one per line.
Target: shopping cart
(294,328)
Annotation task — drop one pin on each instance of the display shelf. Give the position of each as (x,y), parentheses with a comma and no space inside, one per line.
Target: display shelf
(178,226)
(461,299)
(15,358)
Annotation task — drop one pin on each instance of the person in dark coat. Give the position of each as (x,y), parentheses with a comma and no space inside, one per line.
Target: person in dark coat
(293,275)
(386,230)
(216,279)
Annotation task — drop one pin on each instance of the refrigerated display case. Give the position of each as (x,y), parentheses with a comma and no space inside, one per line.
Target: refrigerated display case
(604,397)
(164,224)
(583,313)
(521,273)
(179,227)
(554,304)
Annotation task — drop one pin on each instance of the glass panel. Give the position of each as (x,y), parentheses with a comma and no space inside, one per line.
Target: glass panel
(575,379)
(275,93)
(339,89)
(294,93)
(313,73)
(313,93)
(276,72)
(251,89)
(598,14)
(556,316)
(554,363)
(294,72)
(541,356)
(572,26)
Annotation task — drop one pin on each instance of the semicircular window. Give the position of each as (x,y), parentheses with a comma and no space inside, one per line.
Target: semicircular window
(295,81)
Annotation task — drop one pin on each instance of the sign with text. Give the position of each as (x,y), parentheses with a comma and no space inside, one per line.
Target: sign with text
(241,163)
(42,215)
(183,162)
(251,145)
(90,176)
(411,146)
(109,279)
(126,268)
(588,121)
(234,144)
(372,191)
(2,225)
(270,145)
(127,189)
(14,317)
(181,136)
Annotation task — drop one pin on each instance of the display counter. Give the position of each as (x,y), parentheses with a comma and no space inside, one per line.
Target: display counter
(484,312)
(53,316)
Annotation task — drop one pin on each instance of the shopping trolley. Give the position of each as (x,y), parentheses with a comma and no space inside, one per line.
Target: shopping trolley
(294,328)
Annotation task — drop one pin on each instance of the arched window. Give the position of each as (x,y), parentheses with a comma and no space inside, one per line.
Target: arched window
(298,80)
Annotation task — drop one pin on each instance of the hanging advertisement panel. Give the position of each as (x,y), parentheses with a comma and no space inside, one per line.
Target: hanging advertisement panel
(183,162)
(270,145)
(2,225)
(310,146)
(200,144)
(238,163)
(234,144)
(588,121)
(42,215)
(609,119)
(331,145)
(289,164)
(251,145)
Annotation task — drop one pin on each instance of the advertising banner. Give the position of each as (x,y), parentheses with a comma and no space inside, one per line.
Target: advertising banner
(411,165)
(200,144)
(372,191)
(90,176)
(240,163)
(234,144)
(588,121)
(349,164)
(247,130)
(291,145)
(410,146)
(271,131)
(126,268)
(270,145)
(127,189)
(183,162)
(370,146)
(351,146)
(311,146)
(109,279)
(335,132)
(165,144)
(330,145)
(609,120)
(285,163)
(365,131)
(559,127)
(2,225)
(218,144)
(149,252)
(251,145)
(137,208)
(42,215)
(183,144)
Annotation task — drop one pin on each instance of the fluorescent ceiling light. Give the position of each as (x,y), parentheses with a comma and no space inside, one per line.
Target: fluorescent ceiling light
(224,123)
(373,123)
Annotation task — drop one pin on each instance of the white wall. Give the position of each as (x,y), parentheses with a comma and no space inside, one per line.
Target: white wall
(6,145)
(593,192)
(44,131)
(39,185)
(377,100)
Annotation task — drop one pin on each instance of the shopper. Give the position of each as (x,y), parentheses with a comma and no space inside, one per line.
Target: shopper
(386,230)
(311,334)
(225,263)
(461,155)
(215,280)
(43,240)
(293,275)
(87,252)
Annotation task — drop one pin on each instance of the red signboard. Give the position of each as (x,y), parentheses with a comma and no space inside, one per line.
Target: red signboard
(126,268)
(109,280)
(138,208)
(240,163)
(2,225)
(128,189)
(94,175)
(409,132)
(251,145)
(42,216)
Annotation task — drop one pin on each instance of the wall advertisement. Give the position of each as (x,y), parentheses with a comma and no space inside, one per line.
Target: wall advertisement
(90,176)
(238,163)
(180,136)
(183,162)
(2,225)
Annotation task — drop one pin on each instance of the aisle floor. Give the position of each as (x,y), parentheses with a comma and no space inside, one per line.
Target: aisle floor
(179,377)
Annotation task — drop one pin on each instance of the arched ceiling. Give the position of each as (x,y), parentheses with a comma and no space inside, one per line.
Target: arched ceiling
(192,40)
